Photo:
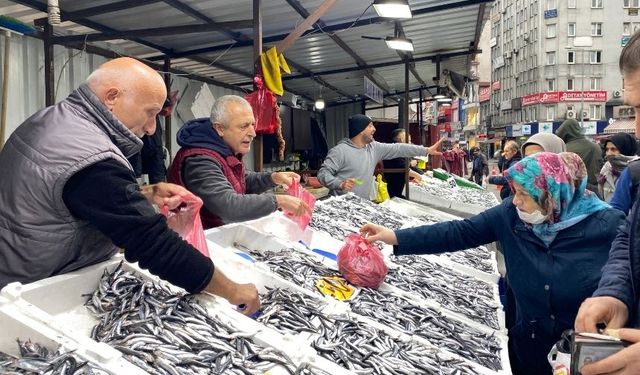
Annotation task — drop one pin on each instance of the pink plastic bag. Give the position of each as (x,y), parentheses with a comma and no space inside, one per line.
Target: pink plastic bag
(263,102)
(361,263)
(298,191)
(185,220)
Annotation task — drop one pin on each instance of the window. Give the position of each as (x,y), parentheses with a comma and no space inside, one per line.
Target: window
(595,57)
(551,31)
(595,83)
(596,3)
(571,57)
(571,29)
(595,111)
(551,58)
(632,3)
(570,84)
(551,85)
(596,29)
(626,28)
(551,113)
(551,4)
(571,4)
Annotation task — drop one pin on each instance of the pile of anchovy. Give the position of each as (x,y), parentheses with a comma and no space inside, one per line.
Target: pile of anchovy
(37,359)
(453,290)
(476,257)
(439,330)
(472,196)
(324,222)
(167,333)
(366,350)
(300,268)
(357,212)
(288,311)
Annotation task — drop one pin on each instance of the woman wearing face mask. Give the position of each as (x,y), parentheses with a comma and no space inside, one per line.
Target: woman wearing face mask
(555,237)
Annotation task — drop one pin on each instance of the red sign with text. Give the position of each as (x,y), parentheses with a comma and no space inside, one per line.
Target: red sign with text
(485,94)
(495,85)
(564,96)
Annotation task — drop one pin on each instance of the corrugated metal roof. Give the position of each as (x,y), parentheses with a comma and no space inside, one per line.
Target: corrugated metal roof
(433,29)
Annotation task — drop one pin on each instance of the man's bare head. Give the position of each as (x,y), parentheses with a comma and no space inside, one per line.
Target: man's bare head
(132,91)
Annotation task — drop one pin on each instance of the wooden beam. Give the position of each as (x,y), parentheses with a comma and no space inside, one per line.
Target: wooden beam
(304,26)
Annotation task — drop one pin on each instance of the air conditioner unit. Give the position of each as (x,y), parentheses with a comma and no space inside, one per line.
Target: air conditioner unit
(571,114)
(617,94)
(585,115)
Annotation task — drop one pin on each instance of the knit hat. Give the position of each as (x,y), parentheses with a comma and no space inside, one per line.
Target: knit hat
(357,123)
(625,143)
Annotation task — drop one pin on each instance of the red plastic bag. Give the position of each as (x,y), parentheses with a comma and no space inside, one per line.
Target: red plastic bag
(361,262)
(301,193)
(185,220)
(263,102)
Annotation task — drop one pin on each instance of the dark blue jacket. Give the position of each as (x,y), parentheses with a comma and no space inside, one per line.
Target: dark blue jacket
(549,283)
(505,191)
(621,274)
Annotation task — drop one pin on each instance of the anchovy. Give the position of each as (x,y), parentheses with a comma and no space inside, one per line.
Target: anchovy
(164,332)
(439,188)
(453,290)
(38,359)
(288,311)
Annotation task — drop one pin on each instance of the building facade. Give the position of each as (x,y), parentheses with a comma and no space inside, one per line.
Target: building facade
(556,59)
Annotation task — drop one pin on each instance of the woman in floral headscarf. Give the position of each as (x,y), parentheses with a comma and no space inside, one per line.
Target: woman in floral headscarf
(555,236)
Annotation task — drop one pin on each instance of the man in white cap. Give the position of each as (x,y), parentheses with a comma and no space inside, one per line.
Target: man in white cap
(350,164)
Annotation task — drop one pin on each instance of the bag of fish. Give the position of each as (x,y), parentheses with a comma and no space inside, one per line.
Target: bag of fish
(185,220)
(298,191)
(361,263)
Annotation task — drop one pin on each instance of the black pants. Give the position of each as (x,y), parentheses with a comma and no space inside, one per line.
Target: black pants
(477,178)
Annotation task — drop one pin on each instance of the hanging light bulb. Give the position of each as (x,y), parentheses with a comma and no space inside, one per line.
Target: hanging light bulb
(319,104)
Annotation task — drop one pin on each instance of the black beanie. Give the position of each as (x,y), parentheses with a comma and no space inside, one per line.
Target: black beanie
(357,123)
(625,143)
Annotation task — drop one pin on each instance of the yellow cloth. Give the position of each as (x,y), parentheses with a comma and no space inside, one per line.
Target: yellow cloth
(271,64)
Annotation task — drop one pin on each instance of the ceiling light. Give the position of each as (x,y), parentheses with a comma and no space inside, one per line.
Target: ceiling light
(444,100)
(446,104)
(438,96)
(319,104)
(402,44)
(392,8)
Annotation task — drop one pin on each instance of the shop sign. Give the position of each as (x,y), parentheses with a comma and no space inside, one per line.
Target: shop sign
(526,129)
(590,127)
(587,96)
(625,40)
(549,97)
(516,103)
(485,94)
(545,127)
(495,85)
(493,41)
(372,91)
(495,18)
(505,105)
(551,13)
(516,130)
(498,62)
(530,99)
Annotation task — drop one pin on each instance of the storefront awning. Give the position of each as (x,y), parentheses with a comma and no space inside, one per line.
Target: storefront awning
(469,128)
(621,126)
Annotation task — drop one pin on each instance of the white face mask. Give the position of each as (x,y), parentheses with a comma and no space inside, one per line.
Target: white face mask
(536,217)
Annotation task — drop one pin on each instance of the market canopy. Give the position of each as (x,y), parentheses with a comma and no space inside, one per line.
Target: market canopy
(621,126)
(213,39)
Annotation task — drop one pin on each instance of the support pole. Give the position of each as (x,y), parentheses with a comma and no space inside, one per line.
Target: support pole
(405,109)
(167,119)
(49,79)
(257,50)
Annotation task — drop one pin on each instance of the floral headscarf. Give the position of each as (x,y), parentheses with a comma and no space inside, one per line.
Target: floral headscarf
(557,183)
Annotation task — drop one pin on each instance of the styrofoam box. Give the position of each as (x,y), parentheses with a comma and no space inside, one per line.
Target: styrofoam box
(58,302)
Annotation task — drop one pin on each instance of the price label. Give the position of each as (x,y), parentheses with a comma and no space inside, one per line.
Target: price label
(451,181)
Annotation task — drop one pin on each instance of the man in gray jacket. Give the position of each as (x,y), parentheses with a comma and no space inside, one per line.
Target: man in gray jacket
(350,164)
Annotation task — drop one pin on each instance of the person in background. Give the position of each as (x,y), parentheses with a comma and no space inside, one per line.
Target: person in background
(395,181)
(555,238)
(616,302)
(590,152)
(626,191)
(456,160)
(620,149)
(480,166)
(511,156)
(350,164)
(69,198)
(150,160)
(209,164)
(543,142)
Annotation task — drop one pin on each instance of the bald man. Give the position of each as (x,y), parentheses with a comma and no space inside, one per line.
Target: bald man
(69,198)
